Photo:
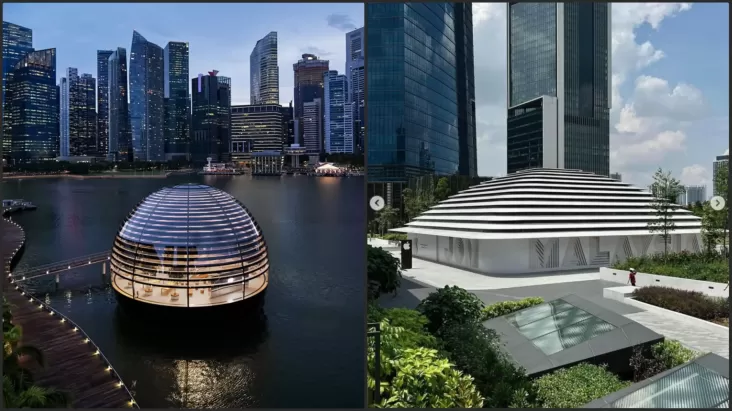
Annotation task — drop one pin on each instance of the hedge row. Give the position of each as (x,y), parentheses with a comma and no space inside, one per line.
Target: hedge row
(693,303)
(507,307)
(704,266)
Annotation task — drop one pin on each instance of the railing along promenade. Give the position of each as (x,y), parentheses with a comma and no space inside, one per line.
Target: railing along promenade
(75,364)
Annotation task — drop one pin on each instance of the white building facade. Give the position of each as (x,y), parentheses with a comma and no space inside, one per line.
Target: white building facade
(544,220)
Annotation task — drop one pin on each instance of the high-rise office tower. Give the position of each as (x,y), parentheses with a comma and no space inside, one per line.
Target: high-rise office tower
(255,129)
(338,114)
(288,130)
(32,104)
(412,114)
(696,194)
(308,86)
(312,124)
(559,86)
(465,77)
(355,73)
(78,114)
(17,42)
(716,169)
(103,101)
(211,118)
(177,101)
(120,135)
(147,114)
(264,73)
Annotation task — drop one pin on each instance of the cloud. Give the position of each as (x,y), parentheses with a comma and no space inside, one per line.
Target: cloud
(316,50)
(341,22)
(726,152)
(695,175)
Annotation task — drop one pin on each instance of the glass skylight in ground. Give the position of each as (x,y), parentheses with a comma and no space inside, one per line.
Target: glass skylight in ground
(557,325)
(692,386)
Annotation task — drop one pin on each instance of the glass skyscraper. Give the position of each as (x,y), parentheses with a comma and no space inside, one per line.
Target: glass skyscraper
(264,73)
(255,129)
(412,114)
(78,114)
(32,104)
(211,118)
(103,101)
(120,137)
(308,87)
(177,101)
(147,114)
(559,86)
(468,164)
(338,114)
(17,42)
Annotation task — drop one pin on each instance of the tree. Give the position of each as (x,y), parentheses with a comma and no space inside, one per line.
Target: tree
(449,306)
(383,272)
(712,226)
(442,191)
(386,218)
(665,190)
(721,187)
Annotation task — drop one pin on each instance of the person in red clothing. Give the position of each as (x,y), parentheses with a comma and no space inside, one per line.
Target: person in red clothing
(631,277)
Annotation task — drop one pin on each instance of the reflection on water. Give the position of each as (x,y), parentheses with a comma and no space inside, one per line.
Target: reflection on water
(306,352)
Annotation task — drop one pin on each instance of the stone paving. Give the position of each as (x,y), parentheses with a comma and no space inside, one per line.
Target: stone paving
(426,276)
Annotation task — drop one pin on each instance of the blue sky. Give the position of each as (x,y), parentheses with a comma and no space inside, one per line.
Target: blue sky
(670,67)
(221,36)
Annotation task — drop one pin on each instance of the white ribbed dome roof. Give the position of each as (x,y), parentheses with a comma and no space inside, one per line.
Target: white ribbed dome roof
(540,203)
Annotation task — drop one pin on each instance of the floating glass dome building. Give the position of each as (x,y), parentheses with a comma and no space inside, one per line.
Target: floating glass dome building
(189,246)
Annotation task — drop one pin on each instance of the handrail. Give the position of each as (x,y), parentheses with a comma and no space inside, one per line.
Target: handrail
(77,328)
(59,266)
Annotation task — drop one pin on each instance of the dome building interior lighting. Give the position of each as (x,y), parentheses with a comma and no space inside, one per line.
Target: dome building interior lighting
(189,246)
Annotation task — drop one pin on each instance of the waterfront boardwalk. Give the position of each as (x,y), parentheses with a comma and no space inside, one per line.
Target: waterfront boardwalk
(71,363)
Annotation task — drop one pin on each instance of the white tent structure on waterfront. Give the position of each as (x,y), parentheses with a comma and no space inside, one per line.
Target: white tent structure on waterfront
(545,220)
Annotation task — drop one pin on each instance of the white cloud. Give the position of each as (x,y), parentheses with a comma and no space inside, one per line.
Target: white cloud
(726,152)
(695,175)
(646,124)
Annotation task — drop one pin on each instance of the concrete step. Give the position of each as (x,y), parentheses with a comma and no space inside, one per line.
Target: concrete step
(618,293)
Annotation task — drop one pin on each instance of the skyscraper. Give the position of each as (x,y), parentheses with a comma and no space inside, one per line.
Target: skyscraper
(559,86)
(719,162)
(255,129)
(17,42)
(120,136)
(32,105)
(308,87)
(264,73)
(288,125)
(177,101)
(338,114)
(78,114)
(103,101)
(147,115)
(412,94)
(358,104)
(465,76)
(312,124)
(211,118)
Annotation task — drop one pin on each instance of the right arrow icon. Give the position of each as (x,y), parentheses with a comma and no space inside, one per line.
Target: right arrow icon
(717,203)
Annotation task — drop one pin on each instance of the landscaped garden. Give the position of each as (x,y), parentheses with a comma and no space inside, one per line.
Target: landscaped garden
(692,303)
(705,266)
(439,355)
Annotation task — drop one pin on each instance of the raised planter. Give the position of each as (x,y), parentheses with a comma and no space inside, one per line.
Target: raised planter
(645,280)
(707,325)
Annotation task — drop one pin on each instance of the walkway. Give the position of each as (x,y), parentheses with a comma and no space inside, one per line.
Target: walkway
(61,266)
(73,365)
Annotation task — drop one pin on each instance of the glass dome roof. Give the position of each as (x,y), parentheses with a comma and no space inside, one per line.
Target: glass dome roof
(191,237)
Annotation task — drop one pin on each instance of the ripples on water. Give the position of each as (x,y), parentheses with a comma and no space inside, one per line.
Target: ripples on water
(305,351)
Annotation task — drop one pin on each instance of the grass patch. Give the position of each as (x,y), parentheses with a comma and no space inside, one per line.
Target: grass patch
(692,303)
(704,266)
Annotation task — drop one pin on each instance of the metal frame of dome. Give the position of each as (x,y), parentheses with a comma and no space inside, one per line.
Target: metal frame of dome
(189,246)
(544,220)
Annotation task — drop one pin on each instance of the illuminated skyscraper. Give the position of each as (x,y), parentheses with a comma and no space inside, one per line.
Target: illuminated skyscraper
(312,124)
(32,104)
(255,129)
(147,115)
(559,86)
(78,114)
(103,101)
(264,73)
(17,42)
(120,138)
(177,101)
(338,114)
(308,87)
(211,118)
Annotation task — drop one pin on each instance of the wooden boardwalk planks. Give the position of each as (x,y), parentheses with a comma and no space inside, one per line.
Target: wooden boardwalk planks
(72,365)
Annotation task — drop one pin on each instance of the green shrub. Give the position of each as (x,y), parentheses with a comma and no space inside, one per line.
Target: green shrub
(507,307)
(449,306)
(423,379)
(382,270)
(691,303)
(576,386)
(475,350)
(414,325)
(394,237)
(374,313)
(672,354)
(704,266)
